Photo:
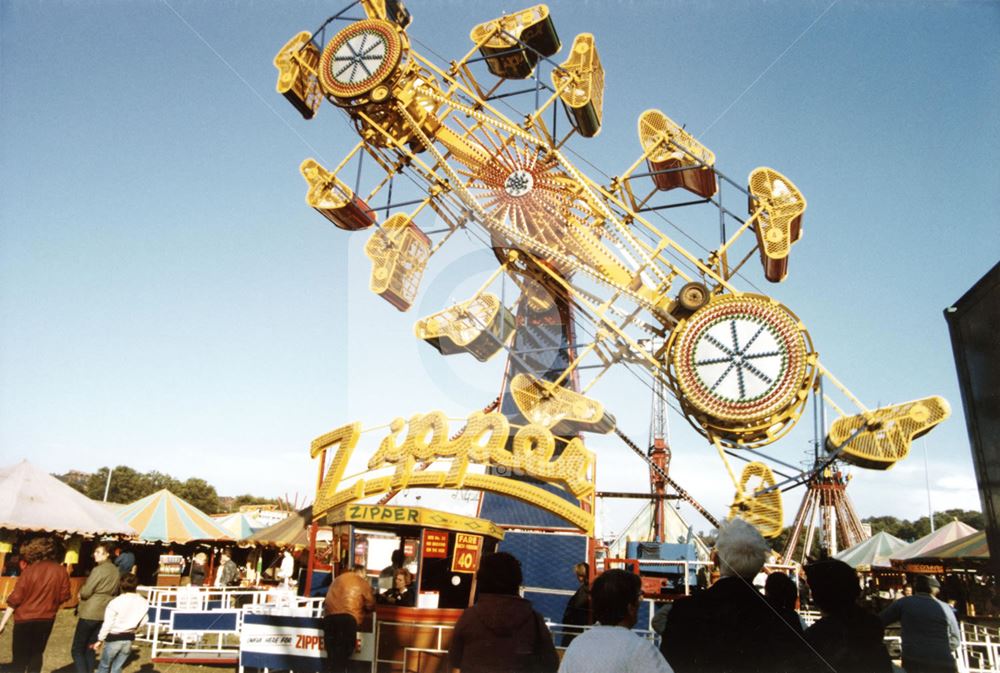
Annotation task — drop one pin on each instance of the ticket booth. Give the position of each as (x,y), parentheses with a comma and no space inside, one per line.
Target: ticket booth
(442,551)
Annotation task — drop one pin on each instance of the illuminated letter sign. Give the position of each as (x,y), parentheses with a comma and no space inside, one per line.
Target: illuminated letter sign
(482,441)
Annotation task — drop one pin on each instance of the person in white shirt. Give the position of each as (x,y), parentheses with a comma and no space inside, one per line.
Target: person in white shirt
(611,645)
(286,570)
(122,617)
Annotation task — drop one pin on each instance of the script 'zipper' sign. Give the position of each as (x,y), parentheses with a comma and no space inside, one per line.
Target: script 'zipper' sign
(467,551)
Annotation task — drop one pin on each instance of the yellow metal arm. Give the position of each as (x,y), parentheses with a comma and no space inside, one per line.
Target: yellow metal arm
(887,432)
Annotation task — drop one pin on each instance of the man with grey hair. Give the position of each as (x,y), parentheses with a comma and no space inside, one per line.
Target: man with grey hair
(731,627)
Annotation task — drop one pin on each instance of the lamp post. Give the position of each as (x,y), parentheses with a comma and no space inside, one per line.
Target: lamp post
(927,480)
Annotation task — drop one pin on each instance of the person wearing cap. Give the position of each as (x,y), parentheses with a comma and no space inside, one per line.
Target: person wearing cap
(930,630)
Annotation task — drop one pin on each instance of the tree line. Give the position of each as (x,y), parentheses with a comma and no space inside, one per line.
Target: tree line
(911,530)
(904,529)
(129,485)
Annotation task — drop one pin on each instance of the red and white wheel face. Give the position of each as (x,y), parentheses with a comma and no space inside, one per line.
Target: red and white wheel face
(741,359)
(359,58)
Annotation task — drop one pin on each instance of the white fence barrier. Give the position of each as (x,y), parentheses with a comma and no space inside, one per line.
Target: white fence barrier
(980,649)
(203,624)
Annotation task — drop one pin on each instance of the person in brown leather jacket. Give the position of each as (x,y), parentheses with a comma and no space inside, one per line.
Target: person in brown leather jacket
(40,590)
(347,603)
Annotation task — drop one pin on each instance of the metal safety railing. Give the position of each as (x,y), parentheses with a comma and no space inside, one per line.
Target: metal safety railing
(558,630)
(979,650)
(434,644)
(204,623)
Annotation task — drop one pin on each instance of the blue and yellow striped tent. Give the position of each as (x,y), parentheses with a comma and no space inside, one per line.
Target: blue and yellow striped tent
(164,517)
(238,525)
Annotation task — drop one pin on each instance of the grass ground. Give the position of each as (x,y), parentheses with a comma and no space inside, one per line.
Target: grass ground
(58,659)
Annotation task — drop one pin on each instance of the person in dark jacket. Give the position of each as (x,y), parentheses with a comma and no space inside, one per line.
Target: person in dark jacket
(95,594)
(577,611)
(199,569)
(401,592)
(502,633)
(930,630)
(227,573)
(124,559)
(781,593)
(848,637)
(730,627)
(34,602)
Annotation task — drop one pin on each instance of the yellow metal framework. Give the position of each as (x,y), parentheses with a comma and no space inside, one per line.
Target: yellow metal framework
(884,435)
(561,410)
(399,252)
(674,156)
(511,185)
(580,83)
(479,326)
(757,501)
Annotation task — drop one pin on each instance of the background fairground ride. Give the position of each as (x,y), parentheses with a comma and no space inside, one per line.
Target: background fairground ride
(490,148)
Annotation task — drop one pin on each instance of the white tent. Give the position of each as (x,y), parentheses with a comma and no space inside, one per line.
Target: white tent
(873,552)
(641,527)
(951,531)
(34,500)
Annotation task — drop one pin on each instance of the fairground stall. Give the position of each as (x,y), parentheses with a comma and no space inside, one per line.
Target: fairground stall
(441,553)
(440,549)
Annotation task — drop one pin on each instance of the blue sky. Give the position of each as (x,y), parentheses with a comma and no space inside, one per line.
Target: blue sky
(168,301)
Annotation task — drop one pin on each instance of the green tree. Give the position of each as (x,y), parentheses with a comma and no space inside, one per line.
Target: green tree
(911,530)
(887,524)
(159,481)
(233,503)
(74,478)
(199,493)
(127,485)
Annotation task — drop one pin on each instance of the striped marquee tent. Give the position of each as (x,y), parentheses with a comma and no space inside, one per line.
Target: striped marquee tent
(239,525)
(164,517)
(949,532)
(873,552)
(292,531)
(969,548)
